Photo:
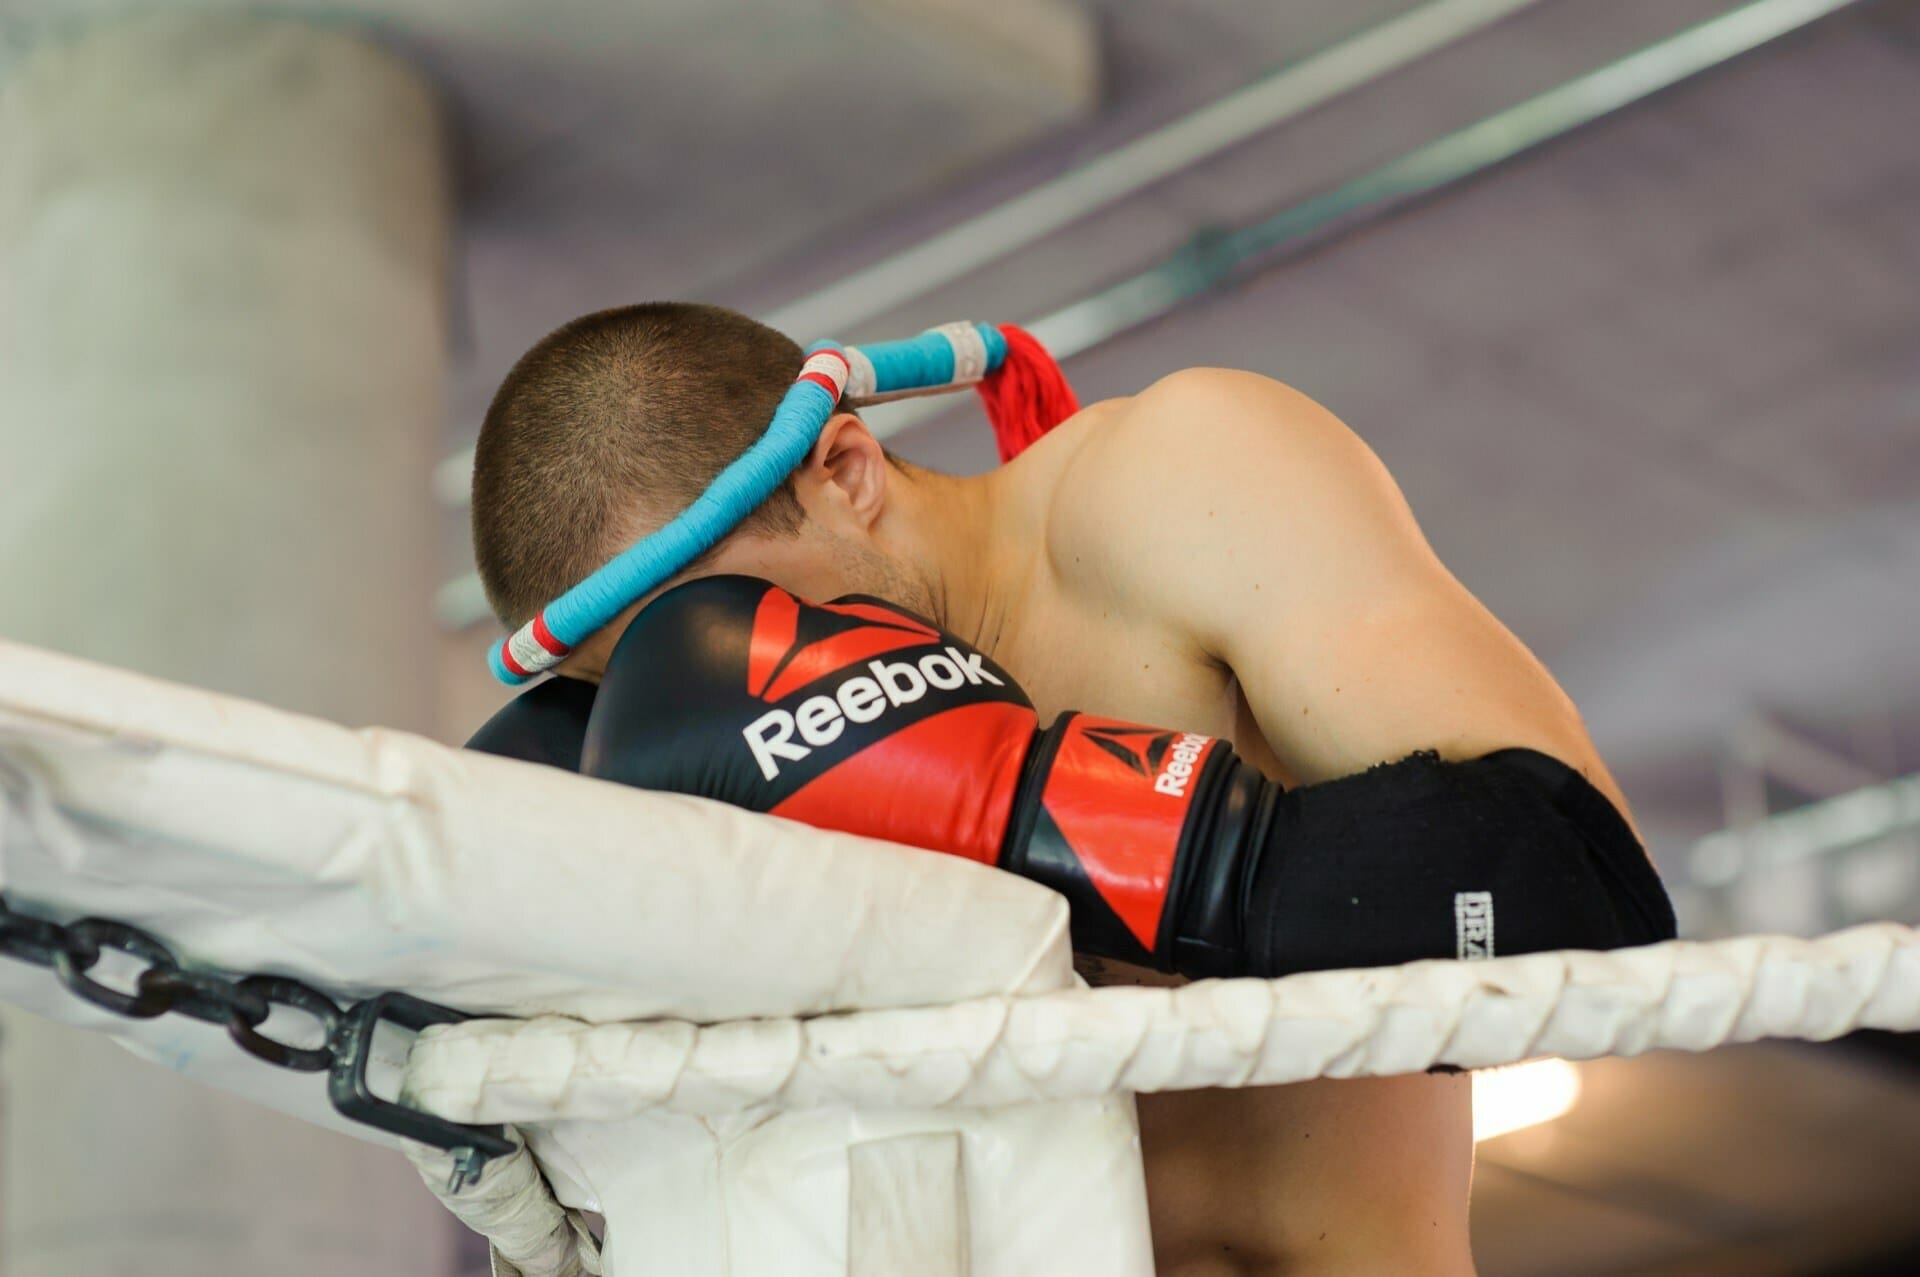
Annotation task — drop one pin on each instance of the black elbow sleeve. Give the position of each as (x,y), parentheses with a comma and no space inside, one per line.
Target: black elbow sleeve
(1511,853)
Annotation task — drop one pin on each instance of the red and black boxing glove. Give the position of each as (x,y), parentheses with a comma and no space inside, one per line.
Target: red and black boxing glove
(544,724)
(858,716)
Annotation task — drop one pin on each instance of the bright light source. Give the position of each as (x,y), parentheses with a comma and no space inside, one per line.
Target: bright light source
(1516,1096)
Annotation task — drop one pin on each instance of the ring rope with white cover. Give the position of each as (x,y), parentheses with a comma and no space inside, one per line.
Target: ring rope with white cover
(1681,995)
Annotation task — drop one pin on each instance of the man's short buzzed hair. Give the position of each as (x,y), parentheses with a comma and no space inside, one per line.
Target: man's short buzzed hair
(610,426)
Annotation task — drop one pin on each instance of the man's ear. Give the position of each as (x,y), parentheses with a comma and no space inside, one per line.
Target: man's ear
(847,473)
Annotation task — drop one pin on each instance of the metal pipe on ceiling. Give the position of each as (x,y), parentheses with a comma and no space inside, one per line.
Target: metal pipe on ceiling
(1844,822)
(1212,260)
(1126,170)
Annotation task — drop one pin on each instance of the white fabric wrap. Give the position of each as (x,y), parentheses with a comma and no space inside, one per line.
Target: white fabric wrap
(253,840)
(514,1208)
(860,376)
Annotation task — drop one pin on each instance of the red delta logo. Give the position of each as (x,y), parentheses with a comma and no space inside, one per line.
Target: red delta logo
(796,644)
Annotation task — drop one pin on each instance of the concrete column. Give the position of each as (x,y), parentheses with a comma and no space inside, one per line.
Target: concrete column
(222,351)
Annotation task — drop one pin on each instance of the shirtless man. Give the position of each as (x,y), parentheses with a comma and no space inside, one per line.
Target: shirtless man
(1217,553)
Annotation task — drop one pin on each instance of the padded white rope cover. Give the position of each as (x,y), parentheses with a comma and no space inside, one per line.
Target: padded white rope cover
(254,840)
(1219,1033)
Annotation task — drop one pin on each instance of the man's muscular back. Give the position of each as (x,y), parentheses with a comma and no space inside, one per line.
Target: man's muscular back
(1221,554)
(1248,530)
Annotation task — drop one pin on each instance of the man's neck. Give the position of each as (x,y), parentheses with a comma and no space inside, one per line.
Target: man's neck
(960,539)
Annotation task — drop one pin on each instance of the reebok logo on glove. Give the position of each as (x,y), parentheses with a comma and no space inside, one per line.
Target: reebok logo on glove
(1174,756)
(1180,767)
(819,720)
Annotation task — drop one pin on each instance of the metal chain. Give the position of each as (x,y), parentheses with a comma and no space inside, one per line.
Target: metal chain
(74,949)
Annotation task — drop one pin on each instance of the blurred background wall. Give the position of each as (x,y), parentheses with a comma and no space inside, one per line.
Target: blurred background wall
(1651,383)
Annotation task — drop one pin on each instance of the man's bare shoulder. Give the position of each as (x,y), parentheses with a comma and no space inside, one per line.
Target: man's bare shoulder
(1188,473)
(1033,485)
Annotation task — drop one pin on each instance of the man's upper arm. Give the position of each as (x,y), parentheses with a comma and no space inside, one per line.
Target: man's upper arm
(1267,531)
